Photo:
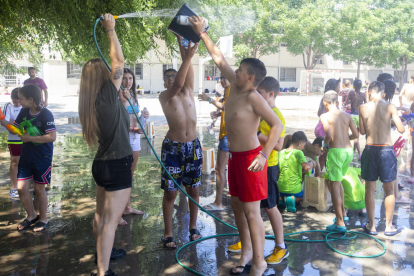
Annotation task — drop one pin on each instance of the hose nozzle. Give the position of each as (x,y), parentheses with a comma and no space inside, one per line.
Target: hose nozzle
(115,17)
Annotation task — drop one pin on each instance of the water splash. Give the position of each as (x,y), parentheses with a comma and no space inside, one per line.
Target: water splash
(155,13)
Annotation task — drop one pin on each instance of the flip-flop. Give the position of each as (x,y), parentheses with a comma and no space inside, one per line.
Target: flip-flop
(194,232)
(344,218)
(239,273)
(403,201)
(41,224)
(168,240)
(364,227)
(26,224)
(393,233)
(336,228)
(214,208)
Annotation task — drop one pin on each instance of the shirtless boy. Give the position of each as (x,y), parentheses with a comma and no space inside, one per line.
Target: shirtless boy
(378,158)
(247,163)
(336,124)
(181,151)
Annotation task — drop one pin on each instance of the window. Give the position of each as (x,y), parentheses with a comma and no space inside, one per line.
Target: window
(319,61)
(398,73)
(211,71)
(283,44)
(136,69)
(73,71)
(10,78)
(345,62)
(287,74)
(165,67)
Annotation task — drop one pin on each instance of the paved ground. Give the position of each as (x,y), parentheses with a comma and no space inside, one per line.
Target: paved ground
(67,247)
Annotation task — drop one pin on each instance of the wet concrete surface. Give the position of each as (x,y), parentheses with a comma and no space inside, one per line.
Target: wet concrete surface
(67,248)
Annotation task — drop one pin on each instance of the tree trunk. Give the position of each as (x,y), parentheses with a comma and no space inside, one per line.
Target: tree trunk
(358,68)
(403,71)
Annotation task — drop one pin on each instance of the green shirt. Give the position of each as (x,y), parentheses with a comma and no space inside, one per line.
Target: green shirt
(290,166)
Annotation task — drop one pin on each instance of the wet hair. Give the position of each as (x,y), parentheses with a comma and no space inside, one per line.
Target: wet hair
(318,141)
(299,136)
(332,84)
(169,70)
(376,87)
(384,76)
(31,91)
(270,84)
(256,68)
(31,68)
(134,86)
(412,78)
(357,85)
(389,90)
(15,93)
(330,97)
(347,83)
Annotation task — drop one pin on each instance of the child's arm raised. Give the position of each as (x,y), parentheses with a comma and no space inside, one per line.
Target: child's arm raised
(216,54)
(189,80)
(396,118)
(181,75)
(262,109)
(354,129)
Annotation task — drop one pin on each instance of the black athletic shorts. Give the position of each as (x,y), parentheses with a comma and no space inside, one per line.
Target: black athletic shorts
(272,189)
(113,175)
(378,161)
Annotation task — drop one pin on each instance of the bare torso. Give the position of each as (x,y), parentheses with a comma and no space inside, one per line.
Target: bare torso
(376,117)
(181,116)
(241,121)
(339,123)
(409,92)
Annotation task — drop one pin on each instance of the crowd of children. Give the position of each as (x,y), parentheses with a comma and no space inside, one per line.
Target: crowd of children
(265,169)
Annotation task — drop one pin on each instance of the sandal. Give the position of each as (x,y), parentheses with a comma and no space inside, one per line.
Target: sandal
(167,240)
(42,225)
(194,232)
(26,224)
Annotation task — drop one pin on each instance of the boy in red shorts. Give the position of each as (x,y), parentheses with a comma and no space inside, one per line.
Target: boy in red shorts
(247,163)
(11,110)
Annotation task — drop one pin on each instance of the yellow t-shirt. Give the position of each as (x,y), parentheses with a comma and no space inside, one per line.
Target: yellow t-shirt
(223,130)
(265,129)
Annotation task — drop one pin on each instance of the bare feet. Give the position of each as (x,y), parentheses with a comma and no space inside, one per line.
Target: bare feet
(258,270)
(214,207)
(132,212)
(403,200)
(122,222)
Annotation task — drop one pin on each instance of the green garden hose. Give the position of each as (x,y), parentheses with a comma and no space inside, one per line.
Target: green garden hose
(344,236)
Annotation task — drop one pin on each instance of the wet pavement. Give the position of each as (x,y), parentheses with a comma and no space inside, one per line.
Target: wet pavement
(67,248)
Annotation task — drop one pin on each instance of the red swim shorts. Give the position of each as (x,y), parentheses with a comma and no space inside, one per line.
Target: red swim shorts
(15,149)
(246,185)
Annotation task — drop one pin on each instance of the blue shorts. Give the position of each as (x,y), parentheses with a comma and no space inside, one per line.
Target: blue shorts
(224,144)
(379,162)
(40,172)
(298,195)
(272,189)
(184,161)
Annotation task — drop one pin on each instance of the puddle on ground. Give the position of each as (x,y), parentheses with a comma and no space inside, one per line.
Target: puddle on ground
(67,248)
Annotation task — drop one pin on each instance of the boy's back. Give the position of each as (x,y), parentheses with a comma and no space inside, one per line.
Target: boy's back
(376,119)
(290,164)
(339,123)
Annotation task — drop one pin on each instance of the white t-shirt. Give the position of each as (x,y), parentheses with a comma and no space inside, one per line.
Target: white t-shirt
(11,112)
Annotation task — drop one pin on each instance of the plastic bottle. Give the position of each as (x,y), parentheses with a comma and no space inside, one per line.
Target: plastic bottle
(142,118)
(183,20)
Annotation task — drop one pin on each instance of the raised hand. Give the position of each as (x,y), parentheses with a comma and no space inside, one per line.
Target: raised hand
(108,22)
(198,24)
(190,51)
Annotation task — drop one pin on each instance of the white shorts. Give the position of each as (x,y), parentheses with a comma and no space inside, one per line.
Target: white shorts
(135,141)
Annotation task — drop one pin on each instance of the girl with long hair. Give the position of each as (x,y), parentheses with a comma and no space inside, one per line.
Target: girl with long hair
(130,92)
(105,123)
